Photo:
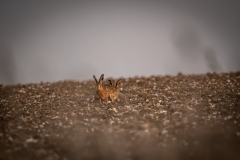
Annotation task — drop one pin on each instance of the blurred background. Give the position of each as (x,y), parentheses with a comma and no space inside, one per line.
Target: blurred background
(58,40)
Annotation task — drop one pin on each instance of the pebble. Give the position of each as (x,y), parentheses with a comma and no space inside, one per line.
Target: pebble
(31,140)
(164,131)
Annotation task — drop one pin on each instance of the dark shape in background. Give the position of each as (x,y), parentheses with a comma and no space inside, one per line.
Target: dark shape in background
(189,46)
(212,60)
(7,67)
(187,40)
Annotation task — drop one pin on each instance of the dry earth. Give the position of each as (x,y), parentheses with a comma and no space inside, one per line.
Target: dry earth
(159,117)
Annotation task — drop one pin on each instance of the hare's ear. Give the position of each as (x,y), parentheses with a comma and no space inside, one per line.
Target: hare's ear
(95,79)
(101,78)
(118,83)
(110,82)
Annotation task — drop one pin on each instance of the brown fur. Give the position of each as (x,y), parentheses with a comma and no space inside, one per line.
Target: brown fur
(114,94)
(105,91)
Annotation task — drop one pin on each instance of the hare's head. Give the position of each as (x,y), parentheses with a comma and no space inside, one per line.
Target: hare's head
(111,82)
(99,83)
(118,83)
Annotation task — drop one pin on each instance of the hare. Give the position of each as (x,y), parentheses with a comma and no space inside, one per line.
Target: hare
(105,91)
(113,95)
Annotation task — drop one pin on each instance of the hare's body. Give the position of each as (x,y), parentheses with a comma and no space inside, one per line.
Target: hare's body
(105,91)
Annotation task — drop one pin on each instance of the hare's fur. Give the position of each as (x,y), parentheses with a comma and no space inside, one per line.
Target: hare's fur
(105,91)
(113,96)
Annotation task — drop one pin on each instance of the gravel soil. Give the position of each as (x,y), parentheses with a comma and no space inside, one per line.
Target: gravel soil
(158,117)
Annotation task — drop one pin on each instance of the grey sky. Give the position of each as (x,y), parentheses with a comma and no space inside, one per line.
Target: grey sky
(58,40)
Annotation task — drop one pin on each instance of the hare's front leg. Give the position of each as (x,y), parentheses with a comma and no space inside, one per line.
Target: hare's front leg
(111,98)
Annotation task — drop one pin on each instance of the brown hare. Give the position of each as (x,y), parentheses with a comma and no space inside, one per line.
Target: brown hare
(114,94)
(105,91)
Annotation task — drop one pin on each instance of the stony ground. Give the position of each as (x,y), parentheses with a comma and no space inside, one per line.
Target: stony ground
(162,117)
